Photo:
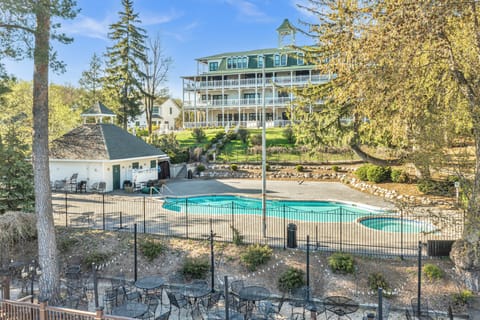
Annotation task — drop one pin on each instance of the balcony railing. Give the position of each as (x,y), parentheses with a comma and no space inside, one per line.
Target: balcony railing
(238,102)
(235,83)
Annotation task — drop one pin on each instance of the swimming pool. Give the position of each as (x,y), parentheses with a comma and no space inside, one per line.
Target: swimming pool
(312,211)
(391,224)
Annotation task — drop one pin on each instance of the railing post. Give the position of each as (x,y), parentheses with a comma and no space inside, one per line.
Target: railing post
(135,262)
(341,229)
(99,313)
(284,229)
(233,220)
(401,234)
(42,312)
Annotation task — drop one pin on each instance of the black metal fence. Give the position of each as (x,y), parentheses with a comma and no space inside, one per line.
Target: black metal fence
(335,230)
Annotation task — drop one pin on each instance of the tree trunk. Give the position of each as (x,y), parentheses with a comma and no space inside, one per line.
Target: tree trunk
(373,160)
(47,246)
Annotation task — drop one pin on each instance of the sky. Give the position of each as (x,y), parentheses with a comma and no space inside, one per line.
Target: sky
(188,29)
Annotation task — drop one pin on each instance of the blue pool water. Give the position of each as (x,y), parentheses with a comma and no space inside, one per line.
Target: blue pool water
(397,225)
(315,211)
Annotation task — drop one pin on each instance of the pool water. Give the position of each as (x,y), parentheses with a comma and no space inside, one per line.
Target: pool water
(314,211)
(397,225)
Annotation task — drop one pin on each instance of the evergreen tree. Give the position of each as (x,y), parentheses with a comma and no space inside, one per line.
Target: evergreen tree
(91,81)
(124,77)
(16,174)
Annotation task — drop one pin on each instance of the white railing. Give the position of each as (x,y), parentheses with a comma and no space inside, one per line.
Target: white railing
(234,83)
(269,101)
(245,124)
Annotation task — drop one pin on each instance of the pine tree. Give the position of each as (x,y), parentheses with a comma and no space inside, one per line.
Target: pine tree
(124,76)
(91,81)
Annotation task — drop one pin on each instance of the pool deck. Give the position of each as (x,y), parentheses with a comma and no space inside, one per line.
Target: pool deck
(276,189)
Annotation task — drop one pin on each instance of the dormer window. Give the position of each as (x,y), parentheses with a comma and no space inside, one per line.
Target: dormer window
(237,62)
(229,63)
(276,60)
(260,61)
(213,66)
(300,60)
(283,59)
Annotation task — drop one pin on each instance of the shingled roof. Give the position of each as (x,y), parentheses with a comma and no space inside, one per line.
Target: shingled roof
(101,141)
(99,109)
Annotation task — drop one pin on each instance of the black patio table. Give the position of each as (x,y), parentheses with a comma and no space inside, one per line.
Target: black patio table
(340,305)
(315,307)
(130,310)
(150,283)
(252,294)
(195,292)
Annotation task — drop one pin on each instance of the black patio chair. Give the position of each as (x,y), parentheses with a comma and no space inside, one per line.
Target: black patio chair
(152,303)
(164,316)
(178,301)
(270,310)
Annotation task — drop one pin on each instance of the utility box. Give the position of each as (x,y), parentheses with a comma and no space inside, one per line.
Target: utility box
(291,235)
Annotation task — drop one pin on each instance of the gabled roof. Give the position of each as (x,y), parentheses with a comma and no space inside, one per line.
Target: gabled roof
(101,141)
(98,109)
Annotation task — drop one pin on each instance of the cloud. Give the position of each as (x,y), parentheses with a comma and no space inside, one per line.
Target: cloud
(249,10)
(88,27)
(149,19)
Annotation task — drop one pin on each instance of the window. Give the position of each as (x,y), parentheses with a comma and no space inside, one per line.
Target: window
(252,116)
(155,110)
(300,60)
(213,66)
(244,62)
(135,165)
(276,60)
(229,63)
(234,63)
(260,61)
(171,110)
(283,59)
(153,163)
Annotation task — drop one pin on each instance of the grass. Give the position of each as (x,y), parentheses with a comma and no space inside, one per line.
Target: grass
(236,151)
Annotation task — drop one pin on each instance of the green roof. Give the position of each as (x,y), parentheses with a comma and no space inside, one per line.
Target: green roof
(285,26)
(101,141)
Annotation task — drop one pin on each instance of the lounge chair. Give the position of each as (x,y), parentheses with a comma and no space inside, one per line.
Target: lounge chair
(99,187)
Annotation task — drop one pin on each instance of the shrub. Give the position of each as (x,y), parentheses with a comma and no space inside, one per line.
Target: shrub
(200,168)
(65,244)
(256,139)
(234,167)
(256,255)
(299,168)
(198,134)
(291,279)
(151,249)
(335,168)
(341,262)
(289,134)
(361,172)
(267,167)
(218,136)
(432,272)
(441,188)
(95,257)
(462,297)
(237,237)
(399,176)
(378,174)
(242,135)
(377,280)
(195,268)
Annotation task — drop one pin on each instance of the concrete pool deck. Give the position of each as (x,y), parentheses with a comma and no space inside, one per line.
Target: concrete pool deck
(276,189)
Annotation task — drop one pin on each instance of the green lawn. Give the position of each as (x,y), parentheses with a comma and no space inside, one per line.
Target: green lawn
(236,151)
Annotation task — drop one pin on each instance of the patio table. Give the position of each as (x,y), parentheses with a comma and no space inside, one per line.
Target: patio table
(150,283)
(251,294)
(130,310)
(194,292)
(315,308)
(340,305)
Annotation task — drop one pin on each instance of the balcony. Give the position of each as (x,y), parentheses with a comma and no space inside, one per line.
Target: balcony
(252,83)
(269,101)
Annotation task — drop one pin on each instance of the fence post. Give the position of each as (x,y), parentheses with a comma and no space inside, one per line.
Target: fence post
(43,310)
(144,217)
(316,237)
(341,228)
(401,234)
(284,229)
(66,209)
(103,210)
(135,263)
(186,217)
(233,221)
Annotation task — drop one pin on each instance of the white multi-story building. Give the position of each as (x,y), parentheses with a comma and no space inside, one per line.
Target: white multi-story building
(231,89)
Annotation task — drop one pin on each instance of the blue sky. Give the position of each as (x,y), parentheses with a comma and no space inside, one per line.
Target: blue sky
(188,29)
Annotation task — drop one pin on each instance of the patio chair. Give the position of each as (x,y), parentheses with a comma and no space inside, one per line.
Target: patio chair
(299,299)
(164,316)
(196,314)
(99,187)
(72,182)
(407,315)
(269,310)
(109,300)
(178,301)
(152,304)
